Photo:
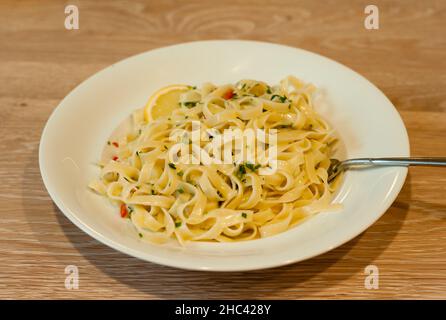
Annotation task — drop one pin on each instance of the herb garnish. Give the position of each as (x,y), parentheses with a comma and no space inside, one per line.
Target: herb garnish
(252,167)
(177,224)
(281,98)
(190,104)
(283,126)
(129,215)
(241,171)
(172,165)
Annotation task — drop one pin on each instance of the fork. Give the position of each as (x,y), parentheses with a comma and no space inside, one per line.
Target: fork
(337,166)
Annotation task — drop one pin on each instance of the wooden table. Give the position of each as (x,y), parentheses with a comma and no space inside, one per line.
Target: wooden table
(41,61)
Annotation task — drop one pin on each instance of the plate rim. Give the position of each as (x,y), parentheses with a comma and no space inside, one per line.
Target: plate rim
(402,171)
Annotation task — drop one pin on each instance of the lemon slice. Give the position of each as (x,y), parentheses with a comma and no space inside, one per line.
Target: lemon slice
(164,101)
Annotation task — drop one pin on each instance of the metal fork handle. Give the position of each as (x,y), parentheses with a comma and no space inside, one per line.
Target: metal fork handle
(404,161)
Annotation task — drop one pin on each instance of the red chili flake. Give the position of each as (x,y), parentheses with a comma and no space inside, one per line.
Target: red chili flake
(228,94)
(115,158)
(115,144)
(124,211)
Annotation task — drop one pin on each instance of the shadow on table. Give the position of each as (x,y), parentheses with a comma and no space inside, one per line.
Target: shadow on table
(304,278)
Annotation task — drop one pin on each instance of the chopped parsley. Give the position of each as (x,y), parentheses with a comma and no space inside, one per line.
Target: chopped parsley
(283,126)
(190,104)
(281,98)
(244,215)
(140,235)
(252,167)
(180,173)
(177,224)
(130,211)
(172,165)
(180,190)
(241,171)
(268,90)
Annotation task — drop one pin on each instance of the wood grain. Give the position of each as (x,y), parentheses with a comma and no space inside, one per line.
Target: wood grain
(40,62)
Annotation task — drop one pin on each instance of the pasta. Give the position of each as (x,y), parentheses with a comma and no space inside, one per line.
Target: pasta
(203,199)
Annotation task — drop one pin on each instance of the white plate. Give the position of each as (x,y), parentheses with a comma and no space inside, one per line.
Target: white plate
(365,119)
